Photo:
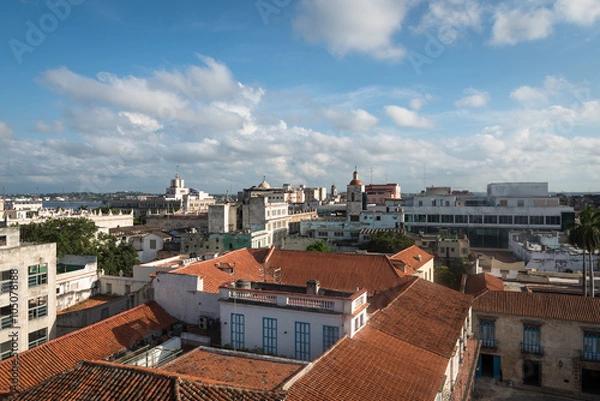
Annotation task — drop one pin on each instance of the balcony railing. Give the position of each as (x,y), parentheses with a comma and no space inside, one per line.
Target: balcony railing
(310,303)
(253,296)
(489,343)
(591,356)
(535,349)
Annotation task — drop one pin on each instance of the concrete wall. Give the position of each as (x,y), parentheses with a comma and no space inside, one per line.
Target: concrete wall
(182,297)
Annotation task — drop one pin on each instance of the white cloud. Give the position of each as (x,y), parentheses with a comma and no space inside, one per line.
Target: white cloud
(474,99)
(56,127)
(5,131)
(354,26)
(519,25)
(142,121)
(529,96)
(580,12)
(407,118)
(459,15)
(357,120)
(553,87)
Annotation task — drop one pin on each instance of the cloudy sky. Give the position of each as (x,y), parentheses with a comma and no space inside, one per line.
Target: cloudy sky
(106,95)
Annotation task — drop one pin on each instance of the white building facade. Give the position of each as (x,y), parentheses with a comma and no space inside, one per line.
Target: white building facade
(28,293)
(295,322)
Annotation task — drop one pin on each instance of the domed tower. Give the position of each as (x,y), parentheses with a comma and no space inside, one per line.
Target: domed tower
(355,190)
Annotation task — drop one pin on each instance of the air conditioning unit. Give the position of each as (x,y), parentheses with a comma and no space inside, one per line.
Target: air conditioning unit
(203,322)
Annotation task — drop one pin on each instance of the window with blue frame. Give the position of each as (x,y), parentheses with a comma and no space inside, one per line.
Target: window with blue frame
(330,335)
(487,333)
(237,330)
(591,345)
(302,341)
(269,335)
(531,339)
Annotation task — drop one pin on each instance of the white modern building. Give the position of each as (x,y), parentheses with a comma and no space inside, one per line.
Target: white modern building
(487,220)
(76,280)
(28,293)
(544,251)
(285,320)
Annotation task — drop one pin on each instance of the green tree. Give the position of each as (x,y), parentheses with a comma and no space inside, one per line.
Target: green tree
(388,242)
(114,257)
(79,237)
(72,236)
(443,276)
(318,246)
(585,234)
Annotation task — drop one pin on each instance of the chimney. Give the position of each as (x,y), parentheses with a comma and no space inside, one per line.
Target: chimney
(419,257)
(244,284)
(312,287)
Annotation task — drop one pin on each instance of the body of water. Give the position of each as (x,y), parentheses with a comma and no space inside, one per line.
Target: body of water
(71,205)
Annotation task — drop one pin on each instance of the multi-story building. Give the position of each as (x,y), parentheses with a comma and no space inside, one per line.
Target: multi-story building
(545,251)
(487,220)
(378,193)
(76,280)
(28,293)
(548,342)
(259,315)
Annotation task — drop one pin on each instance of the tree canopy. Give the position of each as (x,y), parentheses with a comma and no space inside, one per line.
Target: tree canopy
(318,246)
(79,237)
(388,242)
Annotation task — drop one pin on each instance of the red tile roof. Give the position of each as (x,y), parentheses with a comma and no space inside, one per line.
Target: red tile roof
(108,381)
(372,366)
(478,284)
(234,368)
(410,257)
(97,341)
(402,353)
(426,315)
(543,306)
(245,266)
(344,272)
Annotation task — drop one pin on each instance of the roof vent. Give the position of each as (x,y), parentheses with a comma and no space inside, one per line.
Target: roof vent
(419,257)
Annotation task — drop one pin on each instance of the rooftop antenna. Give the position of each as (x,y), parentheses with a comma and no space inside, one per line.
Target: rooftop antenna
(371,176)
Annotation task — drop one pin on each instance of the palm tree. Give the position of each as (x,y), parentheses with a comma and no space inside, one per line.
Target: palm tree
(585,234)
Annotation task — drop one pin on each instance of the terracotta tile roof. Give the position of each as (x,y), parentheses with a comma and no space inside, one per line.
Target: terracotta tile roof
(244,264)
(250,371)
(344,272)
(543,306)
(372,366)
(97,341)
(478,284)
(410,257)
(382,299)
(107,381)
(426,315)
(402,353)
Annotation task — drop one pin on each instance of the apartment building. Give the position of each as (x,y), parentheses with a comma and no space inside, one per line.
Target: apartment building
(28,293)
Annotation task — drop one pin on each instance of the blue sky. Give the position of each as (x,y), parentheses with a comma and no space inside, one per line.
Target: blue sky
(105,95)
